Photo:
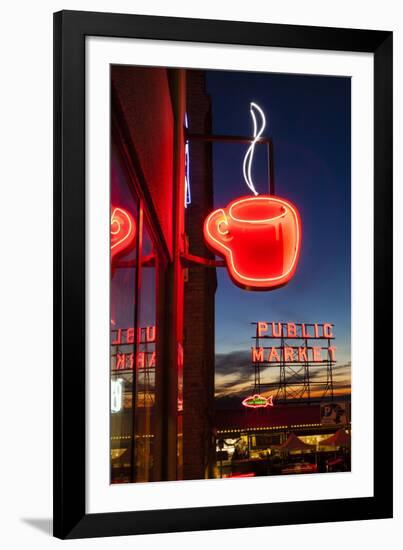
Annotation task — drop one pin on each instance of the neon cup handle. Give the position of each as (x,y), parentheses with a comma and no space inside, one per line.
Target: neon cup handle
(216,229)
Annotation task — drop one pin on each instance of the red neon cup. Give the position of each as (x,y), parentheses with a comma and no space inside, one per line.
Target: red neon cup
(123,231)
(260,239)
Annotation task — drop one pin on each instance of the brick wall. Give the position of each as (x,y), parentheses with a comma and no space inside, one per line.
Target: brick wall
(198,398)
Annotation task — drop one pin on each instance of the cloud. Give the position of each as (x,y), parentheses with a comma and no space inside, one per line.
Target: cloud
(232,362)
(234,375)
(339,372)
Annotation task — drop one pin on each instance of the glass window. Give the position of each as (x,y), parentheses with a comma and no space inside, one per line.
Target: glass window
(124,238)
(146,359)
(133,332)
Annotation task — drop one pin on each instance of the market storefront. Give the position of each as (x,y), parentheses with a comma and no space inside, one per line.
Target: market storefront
(153,291)
(288,439)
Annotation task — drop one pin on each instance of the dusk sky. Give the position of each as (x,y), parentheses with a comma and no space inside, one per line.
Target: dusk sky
(308,118)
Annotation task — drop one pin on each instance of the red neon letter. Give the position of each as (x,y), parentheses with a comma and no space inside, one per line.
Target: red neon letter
(291,330)
(317,354)
(261,328)
(120,361)
(276,333)
(288,354)
(140,360)
(316,330)
(150,333)
(332,353)
(327,330)
(274,356)
(257,355)
(130,336)
(302,355)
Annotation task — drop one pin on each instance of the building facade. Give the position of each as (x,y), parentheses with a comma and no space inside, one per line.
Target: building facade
(162,307)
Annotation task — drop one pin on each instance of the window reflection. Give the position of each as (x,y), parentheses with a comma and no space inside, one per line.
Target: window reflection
(146,359)
(133,333)
(123,312)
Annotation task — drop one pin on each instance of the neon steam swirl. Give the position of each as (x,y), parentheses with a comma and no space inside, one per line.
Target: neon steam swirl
(248,159)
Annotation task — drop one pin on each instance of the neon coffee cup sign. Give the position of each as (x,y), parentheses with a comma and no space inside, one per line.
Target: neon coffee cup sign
(259,237)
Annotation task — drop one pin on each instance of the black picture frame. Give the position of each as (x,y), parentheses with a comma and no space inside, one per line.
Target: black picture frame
(70,517)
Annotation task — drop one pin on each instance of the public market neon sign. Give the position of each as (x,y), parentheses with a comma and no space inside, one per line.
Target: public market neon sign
(259,237)
(287,353)
(124,360)
(127,361)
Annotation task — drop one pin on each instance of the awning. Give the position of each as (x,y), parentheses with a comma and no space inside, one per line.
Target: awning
(294,443)
(338,439)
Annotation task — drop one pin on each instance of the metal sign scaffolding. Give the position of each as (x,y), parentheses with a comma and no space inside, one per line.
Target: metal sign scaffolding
(299,378)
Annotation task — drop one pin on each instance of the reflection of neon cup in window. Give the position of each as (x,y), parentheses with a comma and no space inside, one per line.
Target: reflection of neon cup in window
(123,231)
(260,239)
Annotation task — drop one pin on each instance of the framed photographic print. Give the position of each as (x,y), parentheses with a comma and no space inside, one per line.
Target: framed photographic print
(223,274)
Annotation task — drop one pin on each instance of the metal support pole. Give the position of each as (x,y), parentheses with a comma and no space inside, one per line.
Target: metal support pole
(242,139)
(225,138)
